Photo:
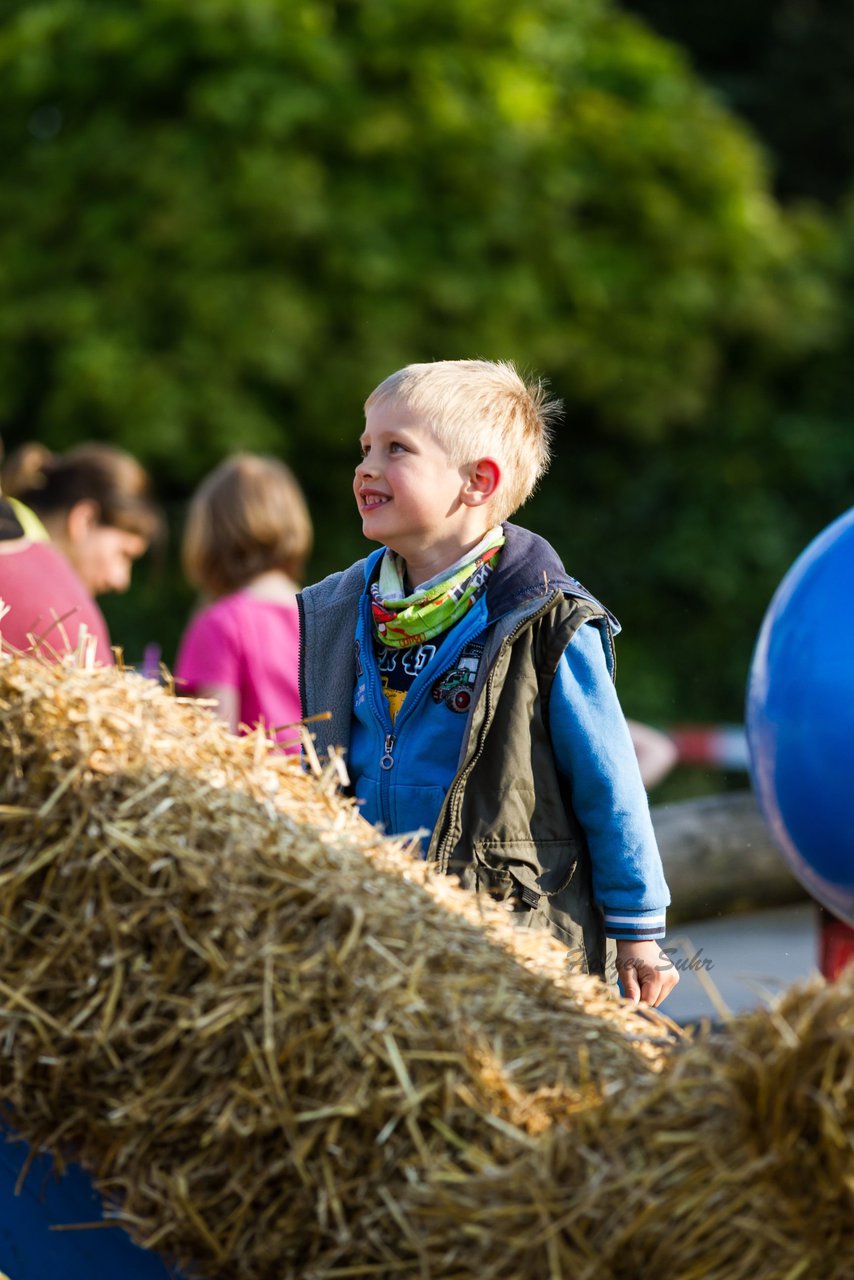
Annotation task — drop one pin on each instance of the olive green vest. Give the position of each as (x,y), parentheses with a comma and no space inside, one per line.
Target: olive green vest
(507,826)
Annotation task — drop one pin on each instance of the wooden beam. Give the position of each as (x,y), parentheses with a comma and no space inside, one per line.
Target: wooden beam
(719,858)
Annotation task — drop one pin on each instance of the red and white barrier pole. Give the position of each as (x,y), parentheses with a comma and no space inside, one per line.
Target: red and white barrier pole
(721,745)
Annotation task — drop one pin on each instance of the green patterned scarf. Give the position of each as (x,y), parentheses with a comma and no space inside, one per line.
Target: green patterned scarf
(401,621)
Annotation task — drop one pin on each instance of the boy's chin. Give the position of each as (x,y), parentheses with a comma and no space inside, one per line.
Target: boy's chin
(372,535)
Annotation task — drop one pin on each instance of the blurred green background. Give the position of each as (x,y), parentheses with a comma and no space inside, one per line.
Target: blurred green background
(220,227)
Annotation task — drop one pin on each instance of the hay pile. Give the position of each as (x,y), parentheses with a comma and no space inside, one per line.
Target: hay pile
(284,1050)
(736,1163)
(256,1037)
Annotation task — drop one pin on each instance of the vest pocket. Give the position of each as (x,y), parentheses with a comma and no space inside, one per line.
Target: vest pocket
(527,869)
(545,887)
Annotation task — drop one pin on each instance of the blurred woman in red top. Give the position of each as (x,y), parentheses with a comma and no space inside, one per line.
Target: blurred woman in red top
(47,608)
(88,515)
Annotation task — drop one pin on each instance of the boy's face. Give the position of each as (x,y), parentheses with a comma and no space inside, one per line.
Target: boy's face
(409,494)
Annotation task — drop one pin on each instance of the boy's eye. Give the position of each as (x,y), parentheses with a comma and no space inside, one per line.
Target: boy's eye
(396,447)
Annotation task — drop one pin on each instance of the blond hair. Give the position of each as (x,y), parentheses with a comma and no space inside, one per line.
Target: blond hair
(478,409)
(247,517)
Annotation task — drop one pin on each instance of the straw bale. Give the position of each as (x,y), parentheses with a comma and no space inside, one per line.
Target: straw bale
(285,1050)
(734,1163)
(258,1023)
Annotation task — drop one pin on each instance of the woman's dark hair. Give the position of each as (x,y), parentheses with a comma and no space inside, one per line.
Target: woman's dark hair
(53,483)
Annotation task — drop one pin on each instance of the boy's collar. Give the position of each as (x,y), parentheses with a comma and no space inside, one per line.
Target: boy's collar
(530,569)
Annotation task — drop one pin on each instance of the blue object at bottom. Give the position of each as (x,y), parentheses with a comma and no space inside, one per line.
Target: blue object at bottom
(31,1248)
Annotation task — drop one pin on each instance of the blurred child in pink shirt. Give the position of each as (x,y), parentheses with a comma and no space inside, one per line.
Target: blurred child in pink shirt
(247,538)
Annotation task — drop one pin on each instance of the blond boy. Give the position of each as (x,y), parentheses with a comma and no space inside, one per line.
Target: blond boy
(470,678)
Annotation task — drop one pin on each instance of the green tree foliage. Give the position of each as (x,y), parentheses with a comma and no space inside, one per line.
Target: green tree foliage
(226,224)
(777,461)
(222,224)
(786,66)
(692,536)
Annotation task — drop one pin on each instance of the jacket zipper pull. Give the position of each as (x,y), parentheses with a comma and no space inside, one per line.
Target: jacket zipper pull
(387,760)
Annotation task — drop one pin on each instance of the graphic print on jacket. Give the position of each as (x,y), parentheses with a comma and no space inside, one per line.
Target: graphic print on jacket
(455,687)
(398,669)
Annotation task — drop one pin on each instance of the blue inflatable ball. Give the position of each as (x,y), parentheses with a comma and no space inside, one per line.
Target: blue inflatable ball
(800,718)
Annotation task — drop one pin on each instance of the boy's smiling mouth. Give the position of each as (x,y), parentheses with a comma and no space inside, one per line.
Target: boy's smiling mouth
(373,499)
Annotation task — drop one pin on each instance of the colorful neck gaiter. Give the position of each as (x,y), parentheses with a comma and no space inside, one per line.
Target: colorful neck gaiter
(401,621)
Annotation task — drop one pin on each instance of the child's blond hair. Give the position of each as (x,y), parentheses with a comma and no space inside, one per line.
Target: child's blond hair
(480,409)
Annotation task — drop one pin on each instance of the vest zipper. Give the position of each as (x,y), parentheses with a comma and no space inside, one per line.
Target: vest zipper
(455,791)
(301,682)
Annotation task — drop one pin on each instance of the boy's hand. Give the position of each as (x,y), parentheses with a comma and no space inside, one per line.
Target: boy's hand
(646,972)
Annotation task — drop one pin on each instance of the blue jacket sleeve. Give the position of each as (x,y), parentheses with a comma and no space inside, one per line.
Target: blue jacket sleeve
(594,752)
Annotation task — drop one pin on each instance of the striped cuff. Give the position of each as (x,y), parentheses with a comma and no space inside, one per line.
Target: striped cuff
(636,926)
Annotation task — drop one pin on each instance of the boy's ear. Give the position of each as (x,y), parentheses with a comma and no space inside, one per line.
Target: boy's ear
(484,477)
